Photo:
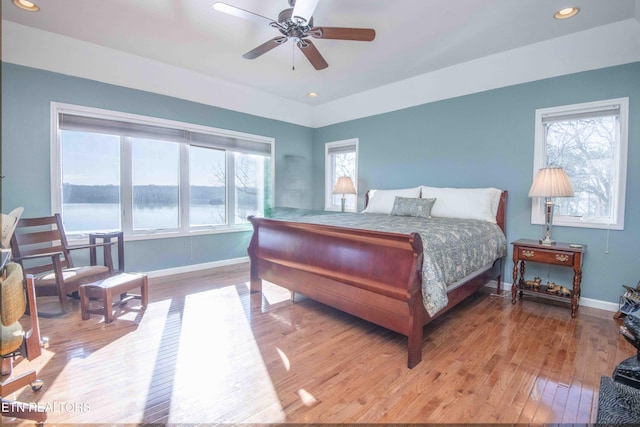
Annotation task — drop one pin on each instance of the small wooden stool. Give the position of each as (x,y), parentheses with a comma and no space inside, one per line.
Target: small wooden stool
(105,289)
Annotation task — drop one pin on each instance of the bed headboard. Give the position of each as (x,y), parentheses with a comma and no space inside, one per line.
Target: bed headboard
(501,215)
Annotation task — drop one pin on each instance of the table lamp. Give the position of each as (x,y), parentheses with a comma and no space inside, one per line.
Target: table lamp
(549,183)
(344,186)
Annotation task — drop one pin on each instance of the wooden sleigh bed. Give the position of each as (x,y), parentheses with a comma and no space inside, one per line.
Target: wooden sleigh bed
(376,276)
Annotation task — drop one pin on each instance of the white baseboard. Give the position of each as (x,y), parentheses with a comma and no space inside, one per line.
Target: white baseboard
(196,267)
(602,305)
(586,302)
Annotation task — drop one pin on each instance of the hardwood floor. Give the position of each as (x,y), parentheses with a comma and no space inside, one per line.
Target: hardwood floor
(207,351)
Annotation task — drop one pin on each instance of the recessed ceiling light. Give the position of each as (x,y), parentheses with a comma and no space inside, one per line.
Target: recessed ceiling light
(567,12)
(26,5)
(312,95)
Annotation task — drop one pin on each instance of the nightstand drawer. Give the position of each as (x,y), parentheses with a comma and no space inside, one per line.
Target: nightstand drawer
(546,256)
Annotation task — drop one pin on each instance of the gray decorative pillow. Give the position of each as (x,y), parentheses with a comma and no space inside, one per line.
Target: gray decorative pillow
(411,206)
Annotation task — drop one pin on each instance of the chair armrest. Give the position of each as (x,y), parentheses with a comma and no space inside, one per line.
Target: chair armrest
(56,262)
(108,262)
(91,245)
(35,256)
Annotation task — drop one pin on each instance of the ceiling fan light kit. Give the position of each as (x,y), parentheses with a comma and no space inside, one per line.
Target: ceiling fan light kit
(303,9)
(296,24)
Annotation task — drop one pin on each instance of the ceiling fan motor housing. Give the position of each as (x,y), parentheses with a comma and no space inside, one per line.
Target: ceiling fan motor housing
(290,28)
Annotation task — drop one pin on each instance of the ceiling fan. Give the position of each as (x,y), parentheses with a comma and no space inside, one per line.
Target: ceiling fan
(296,24)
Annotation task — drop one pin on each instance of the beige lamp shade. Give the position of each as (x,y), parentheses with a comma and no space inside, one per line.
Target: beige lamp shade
(551,182)
(344,186)
(9,222)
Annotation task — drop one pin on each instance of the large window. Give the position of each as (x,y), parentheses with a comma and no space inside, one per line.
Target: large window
(590,142)
(341,159)
(147,176)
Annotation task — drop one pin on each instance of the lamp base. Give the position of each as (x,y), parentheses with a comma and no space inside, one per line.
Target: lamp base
(548,221)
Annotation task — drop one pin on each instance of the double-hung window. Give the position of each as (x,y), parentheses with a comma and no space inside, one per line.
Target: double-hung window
(149,176)
(589,141)
(341,159)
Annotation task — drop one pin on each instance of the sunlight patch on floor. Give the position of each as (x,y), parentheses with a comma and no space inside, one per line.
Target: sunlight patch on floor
(77,404)
(285,360)
(307,398)
(544,392)
(274,294)
(22,366)
(216,360)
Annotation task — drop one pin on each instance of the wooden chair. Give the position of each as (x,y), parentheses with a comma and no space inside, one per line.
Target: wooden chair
(17,341)
(40,246)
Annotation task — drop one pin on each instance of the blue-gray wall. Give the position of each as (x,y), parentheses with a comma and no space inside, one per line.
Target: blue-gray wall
(487,139)
(484,139)
(26,97)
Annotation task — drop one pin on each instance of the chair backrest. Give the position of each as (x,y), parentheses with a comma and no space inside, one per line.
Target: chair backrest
(34,236)
(13,302)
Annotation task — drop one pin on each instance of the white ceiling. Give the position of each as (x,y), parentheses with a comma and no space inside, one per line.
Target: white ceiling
(413,37)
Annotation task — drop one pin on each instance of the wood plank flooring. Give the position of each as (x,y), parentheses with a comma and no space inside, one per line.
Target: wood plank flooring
(207,351)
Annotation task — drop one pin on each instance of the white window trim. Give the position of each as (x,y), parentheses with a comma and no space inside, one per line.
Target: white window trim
(328,183)
(537,204)
(183,229)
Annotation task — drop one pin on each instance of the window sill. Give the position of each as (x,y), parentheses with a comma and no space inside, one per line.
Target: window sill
(169,235)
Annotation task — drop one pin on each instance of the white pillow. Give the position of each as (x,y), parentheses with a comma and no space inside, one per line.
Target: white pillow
(381,201)
(466,203)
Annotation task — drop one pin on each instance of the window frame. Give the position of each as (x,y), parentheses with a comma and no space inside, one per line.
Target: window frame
(328,180)
(616,220)
(126,205)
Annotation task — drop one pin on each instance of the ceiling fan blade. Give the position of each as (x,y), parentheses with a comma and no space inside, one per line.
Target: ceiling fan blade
(303,10)
(241,13)
(312,54)
(265,47)
(340,33)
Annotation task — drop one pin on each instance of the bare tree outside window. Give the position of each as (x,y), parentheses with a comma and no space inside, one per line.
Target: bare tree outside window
(207,192)
(585,148)
(249,189)
(345,165)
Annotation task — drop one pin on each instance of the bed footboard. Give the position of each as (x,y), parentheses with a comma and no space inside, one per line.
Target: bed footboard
(373,275)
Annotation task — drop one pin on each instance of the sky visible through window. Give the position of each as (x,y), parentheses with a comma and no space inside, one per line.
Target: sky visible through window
(90,159)
(94,159)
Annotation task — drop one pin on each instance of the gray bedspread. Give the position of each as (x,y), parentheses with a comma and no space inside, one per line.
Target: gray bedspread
(453,248)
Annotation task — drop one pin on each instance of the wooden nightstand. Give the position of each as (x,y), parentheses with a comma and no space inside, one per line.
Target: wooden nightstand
(559,254)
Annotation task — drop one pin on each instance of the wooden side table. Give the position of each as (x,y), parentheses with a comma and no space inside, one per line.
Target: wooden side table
(106,238)
(562,254)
